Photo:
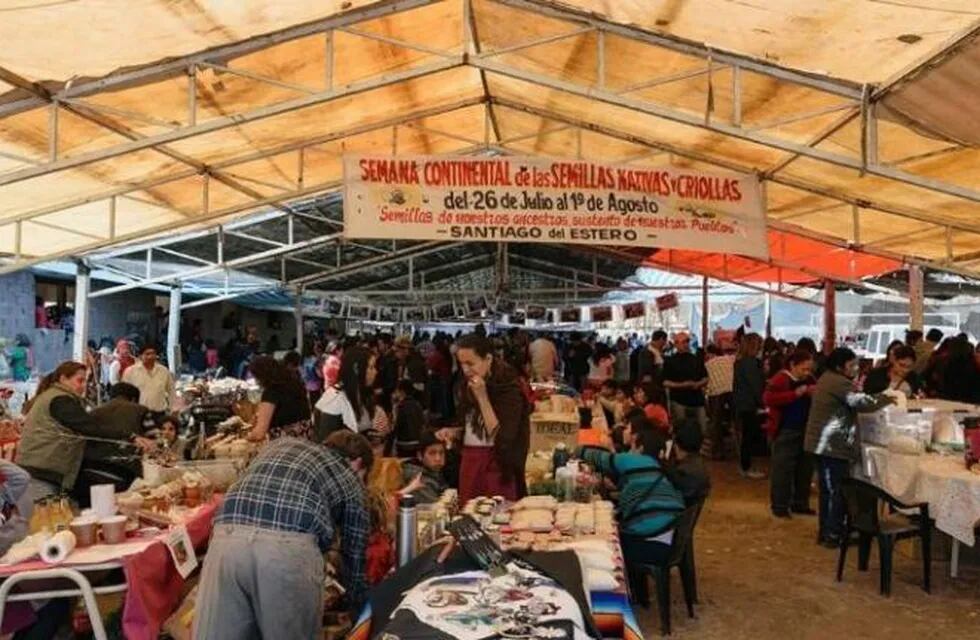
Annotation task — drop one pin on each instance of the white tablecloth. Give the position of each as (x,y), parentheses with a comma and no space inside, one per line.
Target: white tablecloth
(952,492)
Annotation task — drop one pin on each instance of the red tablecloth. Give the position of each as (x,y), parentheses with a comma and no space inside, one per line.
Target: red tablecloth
(154,586)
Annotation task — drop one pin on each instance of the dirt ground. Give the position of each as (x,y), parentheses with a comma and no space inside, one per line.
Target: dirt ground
(763,578)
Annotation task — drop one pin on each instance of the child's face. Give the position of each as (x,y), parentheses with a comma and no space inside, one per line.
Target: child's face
(168,430)
(434,457)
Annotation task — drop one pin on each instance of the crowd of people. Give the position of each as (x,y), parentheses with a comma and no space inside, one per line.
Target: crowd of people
(456,410)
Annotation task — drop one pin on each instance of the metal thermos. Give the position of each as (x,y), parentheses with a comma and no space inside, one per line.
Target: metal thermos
(408,524)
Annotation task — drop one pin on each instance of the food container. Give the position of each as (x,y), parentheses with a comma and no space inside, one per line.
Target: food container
(113,529)
(85,530)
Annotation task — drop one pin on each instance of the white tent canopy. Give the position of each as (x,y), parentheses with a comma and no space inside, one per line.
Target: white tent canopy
(119,125)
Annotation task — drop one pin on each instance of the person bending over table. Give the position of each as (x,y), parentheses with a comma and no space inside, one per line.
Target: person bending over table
(832,436)
(497,431)
(285,408)
(648,502)
(264,571)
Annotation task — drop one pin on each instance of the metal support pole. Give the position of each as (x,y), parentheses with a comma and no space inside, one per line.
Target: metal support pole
(328,60)
(411,274)
(916,297)
(767,312)
(192,95)
(705,311)
(829,317)
(82,283)
(173,330)
(601,59)
(298,316)
(53,132)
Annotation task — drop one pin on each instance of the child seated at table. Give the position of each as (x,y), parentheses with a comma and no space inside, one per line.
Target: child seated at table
(422,476)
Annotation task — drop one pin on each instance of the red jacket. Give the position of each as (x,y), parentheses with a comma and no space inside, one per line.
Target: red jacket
(779,393)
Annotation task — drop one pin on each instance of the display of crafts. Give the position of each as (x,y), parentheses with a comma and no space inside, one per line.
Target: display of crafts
(165,504)
(515,604)
(542,523)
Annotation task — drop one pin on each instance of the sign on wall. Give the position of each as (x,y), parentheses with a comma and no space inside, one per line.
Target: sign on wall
(522,199)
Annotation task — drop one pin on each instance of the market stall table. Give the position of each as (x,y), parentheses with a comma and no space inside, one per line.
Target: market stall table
(152,583)
(951,491)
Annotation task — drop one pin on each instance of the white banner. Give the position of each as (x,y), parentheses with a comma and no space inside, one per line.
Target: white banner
(516,199)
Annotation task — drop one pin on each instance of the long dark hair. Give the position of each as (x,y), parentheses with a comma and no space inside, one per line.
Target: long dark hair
(272,374)
(352,379)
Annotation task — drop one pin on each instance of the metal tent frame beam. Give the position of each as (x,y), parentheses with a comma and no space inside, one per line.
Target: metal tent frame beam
(799,185)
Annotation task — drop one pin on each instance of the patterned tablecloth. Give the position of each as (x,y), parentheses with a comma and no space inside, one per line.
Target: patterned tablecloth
(952,492)
(611,610)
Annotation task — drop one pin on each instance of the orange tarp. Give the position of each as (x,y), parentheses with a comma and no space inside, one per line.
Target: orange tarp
(794,260)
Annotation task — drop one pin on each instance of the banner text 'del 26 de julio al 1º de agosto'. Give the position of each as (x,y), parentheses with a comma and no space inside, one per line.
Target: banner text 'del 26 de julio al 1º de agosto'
(517,199)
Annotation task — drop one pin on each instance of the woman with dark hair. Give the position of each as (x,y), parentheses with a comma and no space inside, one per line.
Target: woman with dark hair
(52,445)
(284,409)
(897,374)
(496,418)
(650,398)
(787,396)
(889,353)
(349,403)
(832,435)
(960,377)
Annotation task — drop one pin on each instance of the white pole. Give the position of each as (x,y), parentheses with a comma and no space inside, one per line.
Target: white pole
(298,315)
(82,283)
(705,311)
(916,297)
(173,330)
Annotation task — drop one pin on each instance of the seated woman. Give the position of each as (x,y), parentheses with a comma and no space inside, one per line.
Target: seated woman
(897,374)
(284,409)
(422,475)
(650,398)
(648,502)
(53,441)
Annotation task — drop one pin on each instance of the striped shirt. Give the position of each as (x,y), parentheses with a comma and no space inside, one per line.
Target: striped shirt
(297,486)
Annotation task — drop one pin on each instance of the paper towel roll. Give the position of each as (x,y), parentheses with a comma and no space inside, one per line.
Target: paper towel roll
(56,548)
(103,500)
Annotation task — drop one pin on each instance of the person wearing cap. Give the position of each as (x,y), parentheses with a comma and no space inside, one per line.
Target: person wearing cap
(154,381)
(122,361)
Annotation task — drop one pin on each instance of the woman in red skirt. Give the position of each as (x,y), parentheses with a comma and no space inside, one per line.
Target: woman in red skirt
(496,418)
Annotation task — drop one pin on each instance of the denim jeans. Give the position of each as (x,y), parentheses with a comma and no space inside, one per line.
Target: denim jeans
(260,583)
(832,472)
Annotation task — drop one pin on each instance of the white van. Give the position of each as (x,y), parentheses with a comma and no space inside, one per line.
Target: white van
(879,336)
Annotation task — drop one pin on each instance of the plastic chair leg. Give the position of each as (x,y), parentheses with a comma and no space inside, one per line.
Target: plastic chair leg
(845,542)
(885,548)
(927,557)
(864,551)
(662,579)
(689,566)
(687,581)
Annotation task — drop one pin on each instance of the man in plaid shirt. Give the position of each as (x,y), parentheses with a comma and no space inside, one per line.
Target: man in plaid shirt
(263,575)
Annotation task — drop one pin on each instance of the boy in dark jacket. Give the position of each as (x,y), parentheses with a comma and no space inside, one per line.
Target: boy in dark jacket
(422,475)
